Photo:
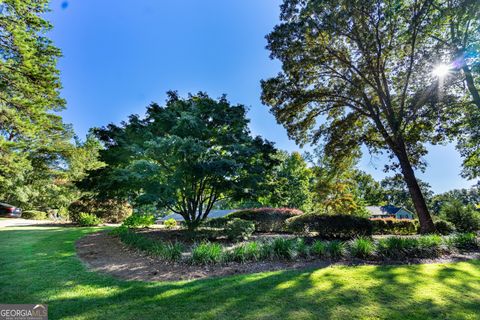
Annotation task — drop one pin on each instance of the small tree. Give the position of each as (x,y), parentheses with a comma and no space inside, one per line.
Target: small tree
(184,156)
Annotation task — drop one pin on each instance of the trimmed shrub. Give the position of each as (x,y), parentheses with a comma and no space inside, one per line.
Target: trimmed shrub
(335,249)
(444,227)
(393,226)
(238,229)
(250,251)
(88,220)
(464,218)
(361,247)
(34,215)
(331,226)
(267,219)
(207,253)
(170,223)
(113,211)
(220,222)
(139,221)
(319,248)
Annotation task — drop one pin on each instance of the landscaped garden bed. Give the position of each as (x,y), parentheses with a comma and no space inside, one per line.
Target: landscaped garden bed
(141,255)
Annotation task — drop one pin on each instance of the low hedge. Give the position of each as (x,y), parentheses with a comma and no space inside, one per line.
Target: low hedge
(267,219)
(34,215)
(394,226)
(331,226)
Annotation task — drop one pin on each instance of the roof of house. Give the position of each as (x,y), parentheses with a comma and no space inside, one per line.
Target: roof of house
(212,214)
(385,210)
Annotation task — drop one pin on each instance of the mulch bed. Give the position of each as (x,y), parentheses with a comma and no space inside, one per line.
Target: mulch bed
(104,253)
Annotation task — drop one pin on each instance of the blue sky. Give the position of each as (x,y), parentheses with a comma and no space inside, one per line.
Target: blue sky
(121,55)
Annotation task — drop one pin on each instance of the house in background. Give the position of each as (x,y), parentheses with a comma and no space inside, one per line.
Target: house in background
(212,214)
(390,211)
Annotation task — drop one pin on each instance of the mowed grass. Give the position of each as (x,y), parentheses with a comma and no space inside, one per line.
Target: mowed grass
(39,265)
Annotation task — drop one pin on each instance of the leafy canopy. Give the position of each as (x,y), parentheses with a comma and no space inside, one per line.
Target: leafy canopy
(184,156)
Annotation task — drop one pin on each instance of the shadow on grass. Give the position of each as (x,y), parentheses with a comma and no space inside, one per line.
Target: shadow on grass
(40,265)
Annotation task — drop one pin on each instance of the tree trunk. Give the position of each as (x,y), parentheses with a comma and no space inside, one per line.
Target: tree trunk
(471,85)
(426,222)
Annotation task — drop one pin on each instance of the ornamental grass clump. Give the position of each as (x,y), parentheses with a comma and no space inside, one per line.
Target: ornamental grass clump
(207,253)
(336,249)
(319,248)
(279,248)
(250,251)
(463,241)
(361,247)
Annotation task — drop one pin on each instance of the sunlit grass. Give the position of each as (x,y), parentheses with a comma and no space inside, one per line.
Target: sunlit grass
(38,264)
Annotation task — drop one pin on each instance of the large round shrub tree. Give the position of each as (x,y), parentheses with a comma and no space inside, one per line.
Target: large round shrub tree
(182,157)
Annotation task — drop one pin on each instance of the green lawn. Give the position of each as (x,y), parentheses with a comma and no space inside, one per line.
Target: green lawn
(38,264)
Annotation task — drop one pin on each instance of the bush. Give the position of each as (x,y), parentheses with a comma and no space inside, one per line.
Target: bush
(220,222)
(113,211)
(238,229)
(250,251)
(267,219)
(361,247)
(34,215)
(139,221)
(88,220)
(331,226)
(464,218)
(393,226)
(170,223)
(335,249)
(207,253)
(444,227)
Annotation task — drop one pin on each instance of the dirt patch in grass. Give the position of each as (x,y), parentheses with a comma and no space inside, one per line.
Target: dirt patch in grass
(104,253)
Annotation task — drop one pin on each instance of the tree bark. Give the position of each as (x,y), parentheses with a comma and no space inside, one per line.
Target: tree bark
(471,85)
(426,222)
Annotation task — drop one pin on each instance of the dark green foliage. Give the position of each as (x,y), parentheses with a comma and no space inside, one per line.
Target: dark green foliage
(110,210)
(238,229)
(319,248)
(336,249)
(394,226)
(139,221)
(464,241)
(267,219)
(220,222)
(34,214)
(331,226)
(444,227)
(170,251)
(250,251)
(88,219)
(182,157)
(359,73)
(207,253)
(464,218)
(399,248)
(280,248)
(361,247)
